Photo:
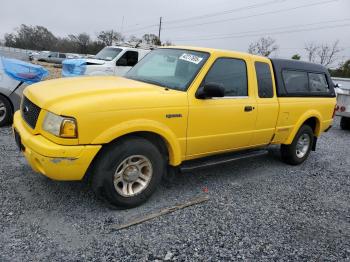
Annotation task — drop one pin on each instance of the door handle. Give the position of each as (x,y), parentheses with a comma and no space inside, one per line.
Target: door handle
(248,108)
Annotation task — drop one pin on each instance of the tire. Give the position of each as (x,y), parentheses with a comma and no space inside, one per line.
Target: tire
(345,123)
(298,151)
(140,165)
(6,111)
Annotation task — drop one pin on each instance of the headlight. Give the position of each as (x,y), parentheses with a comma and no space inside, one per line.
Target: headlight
(60,126)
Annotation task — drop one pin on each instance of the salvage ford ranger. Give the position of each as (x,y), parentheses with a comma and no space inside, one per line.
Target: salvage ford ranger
(176,106)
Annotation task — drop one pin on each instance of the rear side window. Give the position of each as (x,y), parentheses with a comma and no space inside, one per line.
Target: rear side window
(295,81)
(231,74)
(62,56)
(263,75)
(318,83)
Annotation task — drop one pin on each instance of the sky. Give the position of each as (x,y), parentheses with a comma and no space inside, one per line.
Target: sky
(225,24)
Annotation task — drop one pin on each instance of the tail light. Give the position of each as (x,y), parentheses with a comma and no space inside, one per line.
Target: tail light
(342,109)
(335,109)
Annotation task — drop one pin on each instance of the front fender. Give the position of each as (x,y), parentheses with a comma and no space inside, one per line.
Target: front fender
(144,125)
(307,115)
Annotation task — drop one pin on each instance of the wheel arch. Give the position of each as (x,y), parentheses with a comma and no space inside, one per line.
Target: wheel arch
(312,119)
(154,131)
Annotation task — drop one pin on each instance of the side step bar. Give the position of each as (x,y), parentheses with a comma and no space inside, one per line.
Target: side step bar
(218,160)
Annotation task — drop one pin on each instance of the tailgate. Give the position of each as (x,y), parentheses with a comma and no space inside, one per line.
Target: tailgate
(343,104)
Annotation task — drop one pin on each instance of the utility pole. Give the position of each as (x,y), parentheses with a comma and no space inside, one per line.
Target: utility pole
(160,27)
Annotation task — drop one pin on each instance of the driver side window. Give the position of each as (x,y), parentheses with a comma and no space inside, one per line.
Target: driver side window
(130,58)
(231,73)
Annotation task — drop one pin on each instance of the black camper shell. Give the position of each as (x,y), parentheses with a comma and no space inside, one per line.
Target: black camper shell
(302,72)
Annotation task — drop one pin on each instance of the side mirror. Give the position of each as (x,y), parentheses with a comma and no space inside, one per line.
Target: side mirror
(122,62)
(210,90)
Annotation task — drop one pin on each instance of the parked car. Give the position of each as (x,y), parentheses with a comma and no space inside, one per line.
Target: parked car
(54,57)
(178,108)
(15,75)
(32,55)
(111,60)
(38,56)
(343,101)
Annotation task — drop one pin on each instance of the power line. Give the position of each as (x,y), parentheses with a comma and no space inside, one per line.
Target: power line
(270,33)
(224,12)
(135,29)
(137,25)
(250,16)
(255,31)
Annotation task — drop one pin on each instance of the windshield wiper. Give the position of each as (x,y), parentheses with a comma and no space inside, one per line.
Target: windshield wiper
(153,82)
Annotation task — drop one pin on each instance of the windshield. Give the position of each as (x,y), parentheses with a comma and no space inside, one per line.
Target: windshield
(108,53)
(171,68)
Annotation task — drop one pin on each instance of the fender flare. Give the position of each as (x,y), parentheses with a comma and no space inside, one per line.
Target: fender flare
(307,115)
(144,125)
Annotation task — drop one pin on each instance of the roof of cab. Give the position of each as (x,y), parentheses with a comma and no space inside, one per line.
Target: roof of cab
(213,50)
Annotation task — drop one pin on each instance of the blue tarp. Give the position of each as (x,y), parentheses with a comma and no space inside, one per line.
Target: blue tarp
(22,71)
(73,67)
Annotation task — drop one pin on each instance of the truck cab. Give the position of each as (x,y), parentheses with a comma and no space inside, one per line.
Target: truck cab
(176,106)
(114,60)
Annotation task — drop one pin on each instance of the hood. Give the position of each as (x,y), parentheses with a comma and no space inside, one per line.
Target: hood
(94,62)
(96,94)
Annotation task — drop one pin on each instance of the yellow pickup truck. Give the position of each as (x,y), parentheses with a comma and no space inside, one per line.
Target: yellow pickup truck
(176,107)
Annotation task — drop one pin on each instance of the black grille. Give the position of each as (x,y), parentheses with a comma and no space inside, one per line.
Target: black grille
(30,112)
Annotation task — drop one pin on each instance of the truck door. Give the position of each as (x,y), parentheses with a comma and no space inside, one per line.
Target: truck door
(267,104)
(227,123)
(126,62)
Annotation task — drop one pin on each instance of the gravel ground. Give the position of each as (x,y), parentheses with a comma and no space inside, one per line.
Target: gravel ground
(259,209)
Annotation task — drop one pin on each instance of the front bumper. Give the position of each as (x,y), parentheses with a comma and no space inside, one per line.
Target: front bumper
(55,161)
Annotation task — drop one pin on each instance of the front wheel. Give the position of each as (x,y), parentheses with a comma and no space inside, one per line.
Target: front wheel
(6,112)
(127,173)
(298,151)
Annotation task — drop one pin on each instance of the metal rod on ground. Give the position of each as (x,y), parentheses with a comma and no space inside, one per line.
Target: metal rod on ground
(162,212)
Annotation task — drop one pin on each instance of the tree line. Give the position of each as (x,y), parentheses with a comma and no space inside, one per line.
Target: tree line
(324,54)
(40,38)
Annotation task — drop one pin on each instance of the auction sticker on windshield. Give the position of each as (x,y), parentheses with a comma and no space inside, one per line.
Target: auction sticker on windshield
(191,58)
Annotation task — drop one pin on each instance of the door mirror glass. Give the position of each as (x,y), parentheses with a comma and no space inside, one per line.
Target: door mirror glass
(210,90)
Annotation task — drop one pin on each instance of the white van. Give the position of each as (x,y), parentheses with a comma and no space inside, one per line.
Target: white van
(111,60)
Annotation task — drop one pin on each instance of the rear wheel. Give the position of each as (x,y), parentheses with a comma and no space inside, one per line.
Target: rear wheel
(6,112)
(345,123)
(128,172)
(298,151)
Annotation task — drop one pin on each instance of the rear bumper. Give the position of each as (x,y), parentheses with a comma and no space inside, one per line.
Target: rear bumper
(344,114)
(55,161)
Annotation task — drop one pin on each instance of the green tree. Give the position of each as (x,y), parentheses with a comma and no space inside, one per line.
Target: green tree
(296,57)
(342,71)
(31,37)
(82,40)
